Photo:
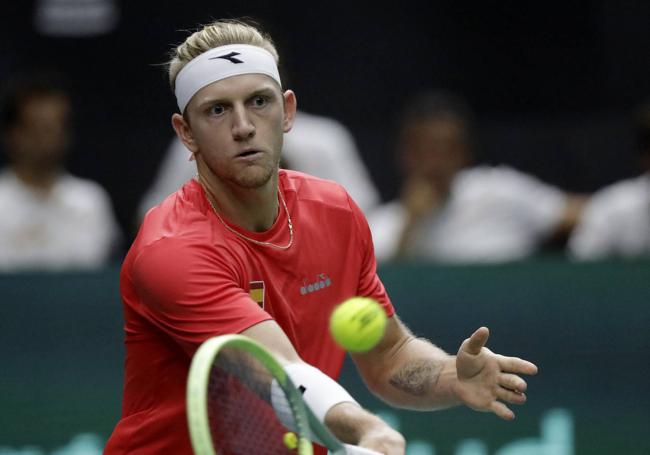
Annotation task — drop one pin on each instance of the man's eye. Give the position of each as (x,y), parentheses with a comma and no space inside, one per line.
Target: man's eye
(217,109)
(259,101)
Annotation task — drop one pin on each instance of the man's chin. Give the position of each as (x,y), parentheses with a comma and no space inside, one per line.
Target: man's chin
(255,178)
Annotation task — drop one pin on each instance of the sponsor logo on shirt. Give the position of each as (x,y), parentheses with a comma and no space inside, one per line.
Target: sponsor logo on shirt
(256,291)
(312,285)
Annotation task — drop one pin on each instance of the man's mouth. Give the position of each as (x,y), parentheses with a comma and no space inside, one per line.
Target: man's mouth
(248,153)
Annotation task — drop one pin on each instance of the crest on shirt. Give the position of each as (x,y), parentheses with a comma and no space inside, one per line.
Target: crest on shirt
(256,291)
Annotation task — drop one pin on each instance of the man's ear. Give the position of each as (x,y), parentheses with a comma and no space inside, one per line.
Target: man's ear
(184,133)
(290,106)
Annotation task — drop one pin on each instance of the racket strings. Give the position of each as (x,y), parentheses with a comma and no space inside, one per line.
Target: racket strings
(240,412)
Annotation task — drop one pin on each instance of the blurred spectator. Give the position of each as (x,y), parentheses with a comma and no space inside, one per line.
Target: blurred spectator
(50,219)
(315,145)
(616,219)
(449,211)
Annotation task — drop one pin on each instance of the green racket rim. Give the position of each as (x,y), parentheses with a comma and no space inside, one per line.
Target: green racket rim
(197,391)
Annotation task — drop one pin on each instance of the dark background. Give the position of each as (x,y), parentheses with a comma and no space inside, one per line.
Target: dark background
(553,85)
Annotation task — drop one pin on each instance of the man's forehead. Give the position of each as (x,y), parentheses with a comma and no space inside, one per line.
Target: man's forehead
(236,87)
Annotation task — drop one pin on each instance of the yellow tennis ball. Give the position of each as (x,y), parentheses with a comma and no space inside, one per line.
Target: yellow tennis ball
(358,324)
(290,440)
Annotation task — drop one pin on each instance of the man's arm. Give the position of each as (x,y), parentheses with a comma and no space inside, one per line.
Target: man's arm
(410,372)
(347,420)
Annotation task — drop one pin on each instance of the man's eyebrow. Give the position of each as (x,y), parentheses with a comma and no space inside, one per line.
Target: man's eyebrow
(210,101)
(262,91)
(217,100)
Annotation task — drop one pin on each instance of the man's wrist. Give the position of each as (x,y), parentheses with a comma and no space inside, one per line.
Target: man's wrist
(350,422)
(448,382)
(320,392)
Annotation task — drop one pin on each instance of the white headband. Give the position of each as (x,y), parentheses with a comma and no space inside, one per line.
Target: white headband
(220,63)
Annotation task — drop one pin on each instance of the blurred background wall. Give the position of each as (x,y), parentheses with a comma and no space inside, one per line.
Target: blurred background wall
(584,325)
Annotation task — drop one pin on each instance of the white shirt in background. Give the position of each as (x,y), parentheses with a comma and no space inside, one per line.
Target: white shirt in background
(615,222)
(493,214)
(72,226)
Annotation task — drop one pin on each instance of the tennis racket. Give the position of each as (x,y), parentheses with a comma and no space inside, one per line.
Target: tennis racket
(240,401)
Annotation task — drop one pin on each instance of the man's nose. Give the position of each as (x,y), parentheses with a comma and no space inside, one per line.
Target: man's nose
(242,126)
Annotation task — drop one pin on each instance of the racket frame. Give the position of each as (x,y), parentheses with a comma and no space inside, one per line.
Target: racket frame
(197,392)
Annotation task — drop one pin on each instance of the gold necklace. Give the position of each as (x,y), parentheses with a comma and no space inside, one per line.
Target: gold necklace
(239,234)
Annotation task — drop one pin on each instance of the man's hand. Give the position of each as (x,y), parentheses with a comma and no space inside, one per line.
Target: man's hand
(486,380)
(354,425)
(385,441)
(420,198)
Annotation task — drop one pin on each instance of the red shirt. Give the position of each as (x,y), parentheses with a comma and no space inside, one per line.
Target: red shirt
(188,278)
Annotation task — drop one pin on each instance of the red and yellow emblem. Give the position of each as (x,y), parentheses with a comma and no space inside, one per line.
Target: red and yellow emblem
(257,292)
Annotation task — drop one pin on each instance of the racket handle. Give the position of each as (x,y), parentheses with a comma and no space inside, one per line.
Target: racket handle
(356,450)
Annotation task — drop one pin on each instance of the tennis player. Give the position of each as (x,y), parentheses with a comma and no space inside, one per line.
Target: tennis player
(249,248)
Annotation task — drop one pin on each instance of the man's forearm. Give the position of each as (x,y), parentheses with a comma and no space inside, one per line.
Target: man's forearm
(421,377)
(412,373)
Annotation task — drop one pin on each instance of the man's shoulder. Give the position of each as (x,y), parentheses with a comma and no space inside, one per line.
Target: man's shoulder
(503,181)
(74,184)
(172,248)
(180,217)
(624,195)
(67,185)
(501,174)
(308,188)
(8,180)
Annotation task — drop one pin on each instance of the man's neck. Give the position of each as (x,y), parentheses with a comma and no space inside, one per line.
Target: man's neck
(39,179)
(254,209)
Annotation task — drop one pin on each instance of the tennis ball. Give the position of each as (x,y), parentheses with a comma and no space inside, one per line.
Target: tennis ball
(358,324)
(290,440)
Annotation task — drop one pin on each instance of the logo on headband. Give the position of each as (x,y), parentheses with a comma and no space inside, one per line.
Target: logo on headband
(230,57)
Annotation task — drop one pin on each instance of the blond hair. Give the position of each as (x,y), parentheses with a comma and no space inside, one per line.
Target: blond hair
(218,33)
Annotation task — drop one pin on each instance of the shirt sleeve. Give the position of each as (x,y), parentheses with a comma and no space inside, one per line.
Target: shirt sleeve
(369,283)
(192,293)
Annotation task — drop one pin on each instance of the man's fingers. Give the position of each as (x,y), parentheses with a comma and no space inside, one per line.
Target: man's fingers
(512,382)
(478,339)
(510,397)
(517,365)
(502,410)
